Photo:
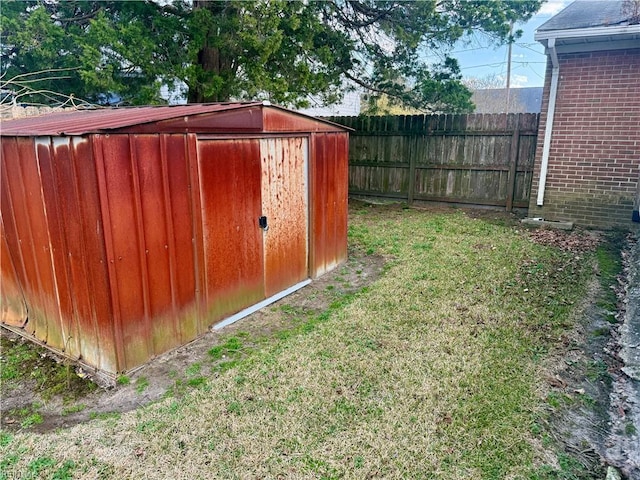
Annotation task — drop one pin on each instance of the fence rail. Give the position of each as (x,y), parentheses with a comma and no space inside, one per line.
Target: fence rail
(476,159)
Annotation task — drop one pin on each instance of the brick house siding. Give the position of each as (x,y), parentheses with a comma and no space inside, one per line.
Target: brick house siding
(594,157)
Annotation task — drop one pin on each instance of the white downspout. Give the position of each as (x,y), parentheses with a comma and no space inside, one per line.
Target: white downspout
(555,75)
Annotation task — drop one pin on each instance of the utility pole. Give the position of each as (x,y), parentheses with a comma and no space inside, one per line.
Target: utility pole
(509,63)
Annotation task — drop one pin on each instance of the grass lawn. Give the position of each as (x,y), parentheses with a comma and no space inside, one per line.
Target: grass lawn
(433,371)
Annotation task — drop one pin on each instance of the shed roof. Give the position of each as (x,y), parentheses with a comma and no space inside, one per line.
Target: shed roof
(191,118)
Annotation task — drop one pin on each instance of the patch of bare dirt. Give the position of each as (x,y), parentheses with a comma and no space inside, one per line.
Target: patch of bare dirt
(494,215)
(578,386)
(162,375)
(585,414)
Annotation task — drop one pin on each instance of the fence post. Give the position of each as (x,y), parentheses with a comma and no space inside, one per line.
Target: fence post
(513,163)
(413,152)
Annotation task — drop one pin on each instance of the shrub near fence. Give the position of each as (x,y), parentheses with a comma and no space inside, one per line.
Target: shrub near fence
(474,159)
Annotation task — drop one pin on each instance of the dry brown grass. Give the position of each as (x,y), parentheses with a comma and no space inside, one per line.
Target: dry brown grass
(431,372)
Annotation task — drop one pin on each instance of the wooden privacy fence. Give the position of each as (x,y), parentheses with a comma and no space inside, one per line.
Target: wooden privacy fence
(476,159)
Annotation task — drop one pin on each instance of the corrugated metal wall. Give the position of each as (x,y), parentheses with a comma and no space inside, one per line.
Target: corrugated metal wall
(51,222)
(285,204)
(232,241)
(120,247)
(330,167)
(145,185)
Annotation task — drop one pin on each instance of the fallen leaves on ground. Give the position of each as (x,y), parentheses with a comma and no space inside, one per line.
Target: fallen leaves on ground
(575,242)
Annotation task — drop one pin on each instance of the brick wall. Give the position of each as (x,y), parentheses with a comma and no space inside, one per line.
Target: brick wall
(594,161)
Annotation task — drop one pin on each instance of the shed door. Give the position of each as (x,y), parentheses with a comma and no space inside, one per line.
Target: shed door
(229,173)
(242,180)
(284,204)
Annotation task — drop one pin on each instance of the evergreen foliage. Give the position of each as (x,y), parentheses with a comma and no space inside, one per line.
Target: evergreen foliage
(276,50)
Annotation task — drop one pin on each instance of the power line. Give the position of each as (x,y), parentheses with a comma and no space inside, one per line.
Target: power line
(500,64)
(526,46)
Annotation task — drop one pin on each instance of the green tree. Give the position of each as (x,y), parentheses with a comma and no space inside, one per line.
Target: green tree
(277,50)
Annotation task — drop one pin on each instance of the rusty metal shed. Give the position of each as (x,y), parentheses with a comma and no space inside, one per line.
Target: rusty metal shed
(128,232)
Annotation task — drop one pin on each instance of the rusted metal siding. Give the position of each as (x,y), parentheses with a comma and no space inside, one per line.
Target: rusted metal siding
(192,118)
(121,211)
(13,310)
(69,187)
(263,177)
(232,241)
(145,186)
(116,247)
(178,193)
(50,217)
(101,253)
(80,122)
(278,120)
(26,229)
(284,203)
(329,177)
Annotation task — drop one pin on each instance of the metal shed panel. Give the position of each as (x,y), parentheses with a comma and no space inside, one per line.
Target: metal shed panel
(248,119)
(48,198)
(14,273)
(284,204)
(30,236)
(155,255)
(149,232)
(329,180)
(179,220)
(54,162)
(121,246)
(281,120)
(79,122)
(69,186)
(13,310)
(192,118)
(125,247)
(146,190)
(229,173)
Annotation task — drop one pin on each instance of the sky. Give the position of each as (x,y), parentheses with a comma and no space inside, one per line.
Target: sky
(478,59)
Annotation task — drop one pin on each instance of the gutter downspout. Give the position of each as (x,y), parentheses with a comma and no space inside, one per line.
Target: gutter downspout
(553,92)
(635,216)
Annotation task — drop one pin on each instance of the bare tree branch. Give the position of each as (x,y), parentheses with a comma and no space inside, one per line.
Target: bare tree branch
(18,89)
(28,74)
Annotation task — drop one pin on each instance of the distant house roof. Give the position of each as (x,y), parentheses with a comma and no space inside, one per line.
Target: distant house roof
(587,13)
(348,107)
(521,100)
(589,25)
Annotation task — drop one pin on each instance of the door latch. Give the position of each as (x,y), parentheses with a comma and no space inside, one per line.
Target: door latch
(262,221)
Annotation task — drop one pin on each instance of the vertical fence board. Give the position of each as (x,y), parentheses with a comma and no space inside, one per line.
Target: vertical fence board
(513,165)
(474,159)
